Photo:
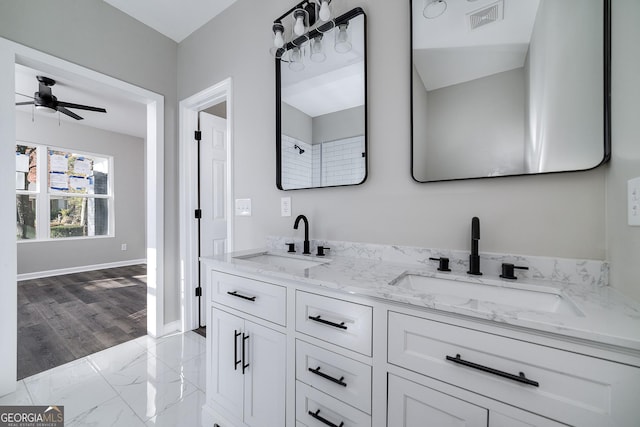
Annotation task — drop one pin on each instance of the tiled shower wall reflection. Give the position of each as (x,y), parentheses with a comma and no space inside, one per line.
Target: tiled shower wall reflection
(329,163)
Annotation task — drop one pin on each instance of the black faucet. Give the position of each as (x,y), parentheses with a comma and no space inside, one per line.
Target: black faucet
(306,250)
(474,258)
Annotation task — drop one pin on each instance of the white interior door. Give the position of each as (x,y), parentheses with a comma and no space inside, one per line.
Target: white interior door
(213,191)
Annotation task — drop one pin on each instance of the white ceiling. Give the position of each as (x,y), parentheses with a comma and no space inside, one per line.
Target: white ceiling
(123,115)
(333,85)
(176,19)
(448,52)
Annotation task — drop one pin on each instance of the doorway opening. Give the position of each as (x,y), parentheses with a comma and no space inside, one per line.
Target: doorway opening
(11,54)
(206,193)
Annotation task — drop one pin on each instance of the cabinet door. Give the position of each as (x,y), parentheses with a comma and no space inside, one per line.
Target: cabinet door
(227,381)
(414,405)
(265,377)
(520,419)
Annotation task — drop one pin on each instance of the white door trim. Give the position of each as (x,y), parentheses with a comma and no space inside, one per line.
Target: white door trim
(10,54)
(188,111)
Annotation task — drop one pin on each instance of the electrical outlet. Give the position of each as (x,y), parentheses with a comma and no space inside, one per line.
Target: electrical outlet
(285,206)
(123,247)
(243,207)
(633,201)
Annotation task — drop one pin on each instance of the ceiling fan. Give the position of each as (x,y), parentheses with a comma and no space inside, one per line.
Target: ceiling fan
(45,100)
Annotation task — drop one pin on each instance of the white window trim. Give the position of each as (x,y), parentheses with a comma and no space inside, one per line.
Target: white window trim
(43,194)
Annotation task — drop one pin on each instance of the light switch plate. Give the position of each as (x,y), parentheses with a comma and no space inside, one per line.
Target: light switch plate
(243,207)
(285,206)
(633,201)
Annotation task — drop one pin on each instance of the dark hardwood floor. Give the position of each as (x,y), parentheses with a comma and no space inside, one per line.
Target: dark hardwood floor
(64,318)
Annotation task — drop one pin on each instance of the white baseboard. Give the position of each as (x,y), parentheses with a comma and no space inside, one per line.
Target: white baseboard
(175,326)
(70,270)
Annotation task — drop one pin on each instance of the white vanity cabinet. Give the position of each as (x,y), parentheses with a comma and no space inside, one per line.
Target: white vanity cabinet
(560,385)
(332,389)
(316,357)
(246,384)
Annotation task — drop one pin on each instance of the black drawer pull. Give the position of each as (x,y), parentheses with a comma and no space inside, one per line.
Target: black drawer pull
(324,421)
(327,377)
(236,294)
(244,340)
(326,322)
(521,378)
(236,362)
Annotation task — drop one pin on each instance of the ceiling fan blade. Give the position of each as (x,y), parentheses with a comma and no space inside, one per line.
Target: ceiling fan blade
(25,103)
(69,113)
(81,107)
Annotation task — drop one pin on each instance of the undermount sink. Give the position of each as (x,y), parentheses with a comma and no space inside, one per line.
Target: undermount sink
(290,262)
(475,296)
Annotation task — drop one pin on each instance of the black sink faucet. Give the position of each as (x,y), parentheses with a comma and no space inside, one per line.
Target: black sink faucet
(306,250)
(474,258)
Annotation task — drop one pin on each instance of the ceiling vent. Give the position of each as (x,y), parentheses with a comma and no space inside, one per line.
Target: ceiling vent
(487,15)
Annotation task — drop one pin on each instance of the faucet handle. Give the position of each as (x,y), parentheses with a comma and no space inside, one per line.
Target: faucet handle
(443,265)
(507,270)
(321,250)
(292,247)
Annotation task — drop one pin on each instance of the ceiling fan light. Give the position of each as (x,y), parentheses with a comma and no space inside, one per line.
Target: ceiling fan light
(45,109)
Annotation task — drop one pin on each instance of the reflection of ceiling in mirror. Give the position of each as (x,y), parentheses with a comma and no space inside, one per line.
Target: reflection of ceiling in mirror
(448,52)
(329,92)
(332,85)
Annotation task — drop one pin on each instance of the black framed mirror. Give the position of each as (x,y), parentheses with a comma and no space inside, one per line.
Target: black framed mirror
(321,106)
(509,87)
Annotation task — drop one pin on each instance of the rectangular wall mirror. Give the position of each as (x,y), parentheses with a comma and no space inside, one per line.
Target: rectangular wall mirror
(509,87)
(321,106)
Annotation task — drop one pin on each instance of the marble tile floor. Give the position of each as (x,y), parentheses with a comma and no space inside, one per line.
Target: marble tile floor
(143,382)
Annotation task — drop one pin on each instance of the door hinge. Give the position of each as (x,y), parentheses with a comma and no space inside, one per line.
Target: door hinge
(197,135)
(199,291)
(198,213)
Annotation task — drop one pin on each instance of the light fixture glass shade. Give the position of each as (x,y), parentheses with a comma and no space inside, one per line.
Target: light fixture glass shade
(325,12)
(278,35)
(343,39)
(296,62)
(317,49)
(301,17)
(434,8)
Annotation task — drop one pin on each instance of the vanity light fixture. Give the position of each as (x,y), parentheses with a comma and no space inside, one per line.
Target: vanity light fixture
(343,38)
(434,8)
(317,51)
(300,31)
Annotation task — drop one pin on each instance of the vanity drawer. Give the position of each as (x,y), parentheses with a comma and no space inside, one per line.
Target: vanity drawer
(345,379)
(326,410)
(572,388)
(339,322)
(254,297)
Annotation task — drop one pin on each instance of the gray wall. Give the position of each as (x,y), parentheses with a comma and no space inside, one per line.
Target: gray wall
(623,241)
(559,215)
(553,115)
(95,35)
(338,125)
(128,173)
(484,120)
(296,124)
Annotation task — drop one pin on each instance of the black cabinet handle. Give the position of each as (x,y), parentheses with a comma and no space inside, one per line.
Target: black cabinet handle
(236,294)
(327,322)
(236,362)
(327,377)
(244,340)
(324,421)
(521,378)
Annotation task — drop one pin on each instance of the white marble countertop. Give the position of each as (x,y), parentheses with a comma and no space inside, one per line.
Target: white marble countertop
(600,314)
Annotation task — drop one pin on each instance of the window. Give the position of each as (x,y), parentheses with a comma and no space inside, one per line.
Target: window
(62,194)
